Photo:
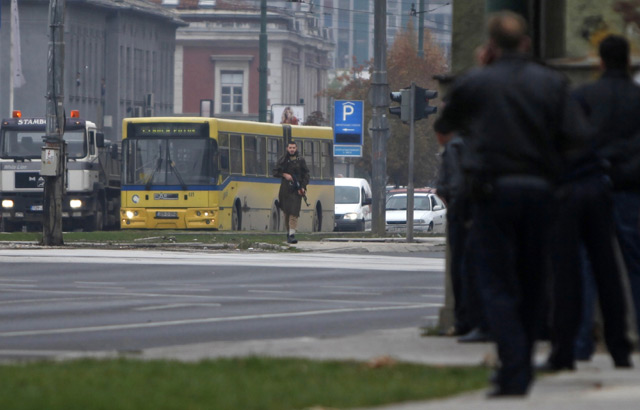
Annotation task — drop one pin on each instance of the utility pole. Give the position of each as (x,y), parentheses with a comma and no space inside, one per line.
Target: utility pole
(262,69)
(421,30)
(53,153)
(412,116)
(379,99)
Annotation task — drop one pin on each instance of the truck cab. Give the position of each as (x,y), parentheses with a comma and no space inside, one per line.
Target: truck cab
(92,176)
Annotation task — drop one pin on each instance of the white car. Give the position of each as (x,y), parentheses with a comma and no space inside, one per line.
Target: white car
(429,213)
(352,204)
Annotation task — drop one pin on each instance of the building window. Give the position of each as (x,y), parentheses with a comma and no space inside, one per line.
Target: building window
(231,86)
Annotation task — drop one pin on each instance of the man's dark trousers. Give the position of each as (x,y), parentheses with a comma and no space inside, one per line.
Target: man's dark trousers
(512,223)
(627,220)
(585,216)
(458,234)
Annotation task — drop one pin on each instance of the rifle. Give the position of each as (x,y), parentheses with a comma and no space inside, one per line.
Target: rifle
(295,186)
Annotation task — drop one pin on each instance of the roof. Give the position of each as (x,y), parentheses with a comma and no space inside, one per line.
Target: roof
(141,6)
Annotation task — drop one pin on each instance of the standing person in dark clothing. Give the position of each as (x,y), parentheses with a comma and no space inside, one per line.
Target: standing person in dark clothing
(612,104)
(448,187)
(585,217)
(469,324)
(295,176)
(519,116)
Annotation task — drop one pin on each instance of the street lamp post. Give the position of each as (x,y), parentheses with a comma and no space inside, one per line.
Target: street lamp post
(262,69)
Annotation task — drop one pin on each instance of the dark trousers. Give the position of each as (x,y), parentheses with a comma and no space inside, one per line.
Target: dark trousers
(585,339)
(585,216)
(458,235)
(468,304)
(627,220)
(512,226)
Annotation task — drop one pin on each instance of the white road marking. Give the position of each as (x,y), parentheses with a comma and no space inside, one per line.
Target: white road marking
(95,283)
(100,287)
(177,305)
(357,293)
(16,285)
(146,325)
(269,291)
(17,280)
(241,298)
(49,300)
(155,257)
(188,289)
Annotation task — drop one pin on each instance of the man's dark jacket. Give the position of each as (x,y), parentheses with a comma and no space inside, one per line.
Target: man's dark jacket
(288,197)
(519,118)
(613,106)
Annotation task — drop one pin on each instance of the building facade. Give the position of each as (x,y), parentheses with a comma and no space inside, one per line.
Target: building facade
(218,56)
(118,60)
(350,23)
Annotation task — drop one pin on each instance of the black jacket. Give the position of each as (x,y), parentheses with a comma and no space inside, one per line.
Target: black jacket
(612,105)
(519,117)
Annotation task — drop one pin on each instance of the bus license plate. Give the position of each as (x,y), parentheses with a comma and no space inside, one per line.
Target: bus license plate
(36,208)
(166,215)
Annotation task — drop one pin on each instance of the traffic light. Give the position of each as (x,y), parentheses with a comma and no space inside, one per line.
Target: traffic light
(422,107)
(404,110)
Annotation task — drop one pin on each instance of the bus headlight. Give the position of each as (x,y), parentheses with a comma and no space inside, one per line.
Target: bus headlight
(7,203)
(75,203)
(129,214)
(351,216)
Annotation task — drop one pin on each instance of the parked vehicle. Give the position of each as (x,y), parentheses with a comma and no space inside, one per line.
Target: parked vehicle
(352,204)
(91,200)
(429,212)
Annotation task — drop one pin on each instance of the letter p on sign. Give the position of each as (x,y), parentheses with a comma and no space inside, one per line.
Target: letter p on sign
(347,109)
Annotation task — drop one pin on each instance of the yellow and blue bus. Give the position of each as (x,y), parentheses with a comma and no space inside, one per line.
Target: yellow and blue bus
(210,173)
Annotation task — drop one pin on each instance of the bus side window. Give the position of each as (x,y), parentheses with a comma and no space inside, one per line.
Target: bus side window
(261,155)
(327,161)
(274,152)
(235,154)
(250,155)
(215,158)
(223,150)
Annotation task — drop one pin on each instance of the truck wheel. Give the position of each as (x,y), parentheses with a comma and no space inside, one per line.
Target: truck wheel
(96,222)
(9,227)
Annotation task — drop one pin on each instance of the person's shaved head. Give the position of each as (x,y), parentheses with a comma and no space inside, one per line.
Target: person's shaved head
(507,30)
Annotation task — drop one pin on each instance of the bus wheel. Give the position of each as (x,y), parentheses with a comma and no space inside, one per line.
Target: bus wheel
(274,223)
(317,219)
(236,218)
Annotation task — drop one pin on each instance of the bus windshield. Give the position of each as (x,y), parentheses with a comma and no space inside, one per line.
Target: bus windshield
(17,144)
(169,161)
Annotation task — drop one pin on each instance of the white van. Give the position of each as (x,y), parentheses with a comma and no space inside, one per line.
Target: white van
(352,204)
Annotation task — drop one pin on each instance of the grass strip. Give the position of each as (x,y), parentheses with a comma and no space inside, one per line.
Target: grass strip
(226,384)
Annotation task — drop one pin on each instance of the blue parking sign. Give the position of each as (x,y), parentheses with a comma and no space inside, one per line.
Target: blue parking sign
(348,119)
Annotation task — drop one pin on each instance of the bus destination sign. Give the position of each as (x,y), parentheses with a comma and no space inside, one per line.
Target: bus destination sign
(168,129)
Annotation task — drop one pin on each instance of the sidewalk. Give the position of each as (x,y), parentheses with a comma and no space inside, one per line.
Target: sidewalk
(594,386)
(374,245)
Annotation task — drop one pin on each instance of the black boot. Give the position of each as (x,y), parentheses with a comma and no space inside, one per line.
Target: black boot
(291,239)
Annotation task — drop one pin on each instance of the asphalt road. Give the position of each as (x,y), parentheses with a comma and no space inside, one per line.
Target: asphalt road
(86,300)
